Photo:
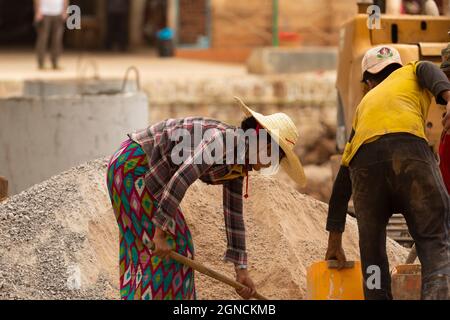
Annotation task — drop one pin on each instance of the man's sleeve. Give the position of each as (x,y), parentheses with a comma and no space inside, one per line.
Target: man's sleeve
(340,196)
(338,206)
(234,222)
(433,79)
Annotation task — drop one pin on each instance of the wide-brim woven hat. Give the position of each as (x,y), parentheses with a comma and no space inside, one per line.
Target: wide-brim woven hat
(283,130)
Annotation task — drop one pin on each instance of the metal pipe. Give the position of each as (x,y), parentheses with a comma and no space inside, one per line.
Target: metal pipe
(275,31)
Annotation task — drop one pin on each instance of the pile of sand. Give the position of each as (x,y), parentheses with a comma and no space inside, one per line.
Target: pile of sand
(60,239)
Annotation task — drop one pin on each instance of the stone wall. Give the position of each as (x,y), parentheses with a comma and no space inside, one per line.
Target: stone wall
(309,98)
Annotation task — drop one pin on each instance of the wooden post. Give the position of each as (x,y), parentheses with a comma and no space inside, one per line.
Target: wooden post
(3,188)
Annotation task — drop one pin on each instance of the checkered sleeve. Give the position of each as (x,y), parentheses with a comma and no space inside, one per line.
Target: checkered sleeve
(188,172)
(234,222)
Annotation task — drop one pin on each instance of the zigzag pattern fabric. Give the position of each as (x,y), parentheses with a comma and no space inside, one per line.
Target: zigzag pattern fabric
(144,276)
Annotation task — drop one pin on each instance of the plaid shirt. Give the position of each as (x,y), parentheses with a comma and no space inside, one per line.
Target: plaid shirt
(168,181)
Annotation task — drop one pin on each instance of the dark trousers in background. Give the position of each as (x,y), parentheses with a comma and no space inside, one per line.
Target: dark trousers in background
(50,27)
(399,173)
(117,31)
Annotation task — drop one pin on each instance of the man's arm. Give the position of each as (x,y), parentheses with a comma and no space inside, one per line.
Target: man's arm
(337,213)
(338,205)
(433,79)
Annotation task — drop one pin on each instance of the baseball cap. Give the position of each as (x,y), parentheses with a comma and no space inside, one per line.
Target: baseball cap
(378,58)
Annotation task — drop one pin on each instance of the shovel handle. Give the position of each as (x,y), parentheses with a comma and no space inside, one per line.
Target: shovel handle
(207,271)
(211,273)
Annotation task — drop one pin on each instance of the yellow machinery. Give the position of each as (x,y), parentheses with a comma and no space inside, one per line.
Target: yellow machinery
(415,37)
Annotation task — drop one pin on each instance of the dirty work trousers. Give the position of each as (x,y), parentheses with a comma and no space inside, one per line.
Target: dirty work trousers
(399,173)
(50,27)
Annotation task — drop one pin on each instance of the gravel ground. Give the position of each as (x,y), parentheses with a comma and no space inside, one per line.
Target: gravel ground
(60,238)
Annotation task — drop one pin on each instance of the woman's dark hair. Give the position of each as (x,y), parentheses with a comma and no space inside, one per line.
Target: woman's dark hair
(383,74)
(251,123)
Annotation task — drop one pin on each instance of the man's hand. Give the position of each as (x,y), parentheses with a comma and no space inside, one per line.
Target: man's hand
(162,248)
(242,276)
(335,250)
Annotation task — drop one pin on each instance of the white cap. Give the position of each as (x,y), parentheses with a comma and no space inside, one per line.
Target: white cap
(378,58)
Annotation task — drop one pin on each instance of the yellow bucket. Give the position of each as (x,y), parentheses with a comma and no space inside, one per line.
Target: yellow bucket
(325,282)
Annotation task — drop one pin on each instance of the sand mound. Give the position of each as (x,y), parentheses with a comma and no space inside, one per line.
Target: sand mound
(59,238)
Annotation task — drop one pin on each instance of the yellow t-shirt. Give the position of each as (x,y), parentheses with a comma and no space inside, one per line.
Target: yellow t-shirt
(397,105)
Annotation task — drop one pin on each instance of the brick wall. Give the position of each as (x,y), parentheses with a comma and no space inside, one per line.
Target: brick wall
(249,23)
(317,21)
(192,20)
(241,23)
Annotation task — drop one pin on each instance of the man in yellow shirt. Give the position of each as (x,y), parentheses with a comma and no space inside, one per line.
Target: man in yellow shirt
(389,167)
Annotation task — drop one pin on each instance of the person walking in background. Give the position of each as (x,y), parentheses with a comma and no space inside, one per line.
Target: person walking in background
(117,11)
(49,19)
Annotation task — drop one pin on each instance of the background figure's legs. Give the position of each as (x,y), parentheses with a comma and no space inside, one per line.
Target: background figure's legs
(57,40)
(43,31)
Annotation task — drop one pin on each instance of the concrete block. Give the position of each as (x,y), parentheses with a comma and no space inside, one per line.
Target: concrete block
(272,60)
(71,87)
(43,137)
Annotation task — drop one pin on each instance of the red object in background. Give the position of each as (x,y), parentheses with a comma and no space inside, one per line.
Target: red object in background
(289,38)
(444,155)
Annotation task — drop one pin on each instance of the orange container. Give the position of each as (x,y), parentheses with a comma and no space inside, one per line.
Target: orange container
(324,283)
(406,282)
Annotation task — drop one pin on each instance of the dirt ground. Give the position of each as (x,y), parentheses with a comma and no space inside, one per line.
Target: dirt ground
(21,65)
(60,239)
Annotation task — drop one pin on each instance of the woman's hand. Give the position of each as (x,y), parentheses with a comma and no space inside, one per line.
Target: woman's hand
(242,276)
(162,248)
(335,250)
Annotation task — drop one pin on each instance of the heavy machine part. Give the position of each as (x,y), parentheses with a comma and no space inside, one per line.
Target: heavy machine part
(416,37)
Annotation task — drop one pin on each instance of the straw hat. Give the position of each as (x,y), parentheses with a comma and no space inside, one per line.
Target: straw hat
(281,128)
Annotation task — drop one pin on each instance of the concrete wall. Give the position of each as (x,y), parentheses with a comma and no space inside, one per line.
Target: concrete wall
(71,87)
(42,137)
(310,99)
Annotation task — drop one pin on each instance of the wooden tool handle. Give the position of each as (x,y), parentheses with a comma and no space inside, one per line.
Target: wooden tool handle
(211,273)
(208,272)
